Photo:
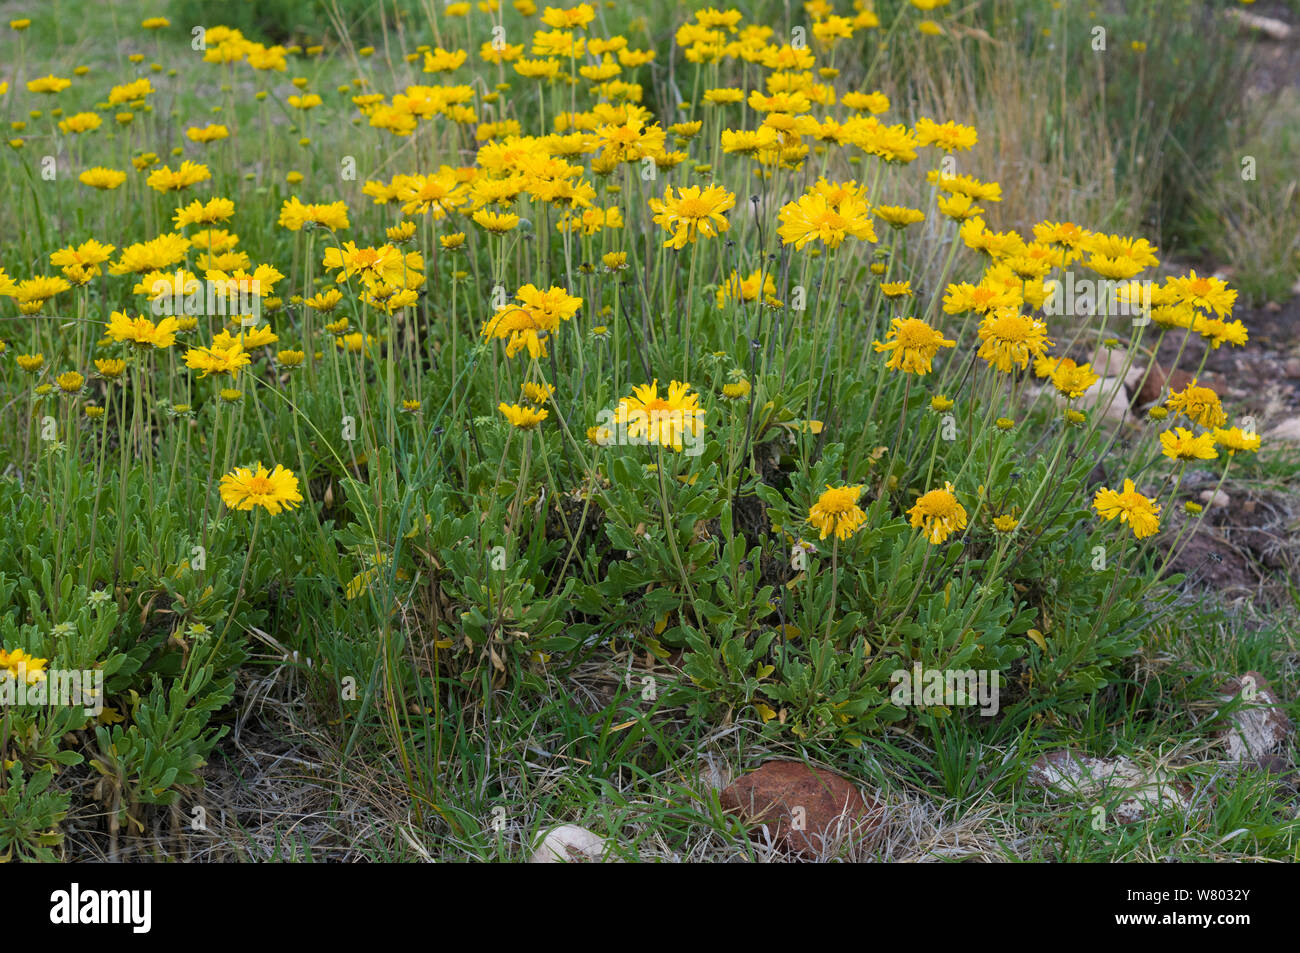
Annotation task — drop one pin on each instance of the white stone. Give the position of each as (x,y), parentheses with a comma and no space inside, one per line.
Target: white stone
(569,844)
(1288,430)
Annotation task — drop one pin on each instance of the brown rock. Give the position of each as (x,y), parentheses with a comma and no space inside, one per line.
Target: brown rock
(806,809)
(1150,390)
(1259,727)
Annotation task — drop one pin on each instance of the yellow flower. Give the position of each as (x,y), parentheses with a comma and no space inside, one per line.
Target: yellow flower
(31,363)
(938,514)
(498,223)
(80,122)
(204,213)
(745,289)
(325,302)
(48,84)
(246,487)
(224,357)
(814,217)
(837,511)
(912,345)
(538,393)
(661,420)
(1206,292)
(189,173)
(527,324)
(22,666)
(1011,338)
(294,214)
(525,418)
(70,382)
(693,212)
(1200,405)
(142,332)
(959,207)
(947,136)
(1005,523)
(1181,444)
(1131,507)
(110,368)
(737,389)
(212,132)
(1235,439)
(1072,379)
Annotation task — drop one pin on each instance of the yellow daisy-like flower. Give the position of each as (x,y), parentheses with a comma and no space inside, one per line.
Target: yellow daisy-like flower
(661,420)
(837,511)
(1204,291)
(294,214)
(110,368)
(247,487)
(498,223)
(745,289)
(1234,439)
(899,216)
(538,393)
(912,345)
(1073,380)
(1011,338)
(142,332)
(814,217)
(189,173)
(938,514)
(947,136)
(692,212)
(1181,444)
(525,418)
(101,178)
(1140,512)
(1201,405)
(22,666)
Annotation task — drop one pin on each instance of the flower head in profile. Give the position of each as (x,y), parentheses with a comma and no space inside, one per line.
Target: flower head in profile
(294,214)
(745,289)
(1140,512)
(837,511)
(947,136)
(662,419)
(1235,440)
(525,418)
(693,212)
(167,180)
(912,345)
(142,332)
(938,514)
(1181,444)
(246,487)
